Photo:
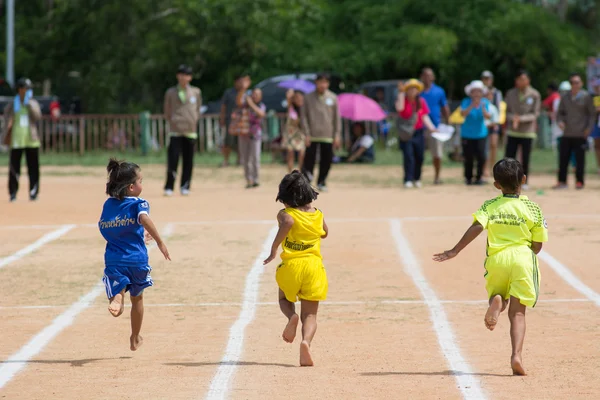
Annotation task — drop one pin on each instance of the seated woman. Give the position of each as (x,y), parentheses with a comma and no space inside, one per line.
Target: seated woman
(362,149)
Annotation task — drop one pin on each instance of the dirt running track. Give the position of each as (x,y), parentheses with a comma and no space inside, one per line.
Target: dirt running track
(396,325)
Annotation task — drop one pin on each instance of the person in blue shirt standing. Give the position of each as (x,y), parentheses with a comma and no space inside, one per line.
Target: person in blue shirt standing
(475,110)
(435,97)
(122,223)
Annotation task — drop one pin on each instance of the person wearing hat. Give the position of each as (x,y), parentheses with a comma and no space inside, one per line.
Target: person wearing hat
(475,109)
(523,105)
(182,111)
(21,136)
(413,119)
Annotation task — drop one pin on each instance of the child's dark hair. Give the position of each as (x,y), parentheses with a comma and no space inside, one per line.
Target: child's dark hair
(508,172)
(121,174)
(295,190)
(294,106)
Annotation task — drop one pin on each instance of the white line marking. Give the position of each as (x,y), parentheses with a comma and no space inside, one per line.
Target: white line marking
(569,277)
(219,386)
(273,303)
(16,362)
(467,382)
(337,220)
(48,237)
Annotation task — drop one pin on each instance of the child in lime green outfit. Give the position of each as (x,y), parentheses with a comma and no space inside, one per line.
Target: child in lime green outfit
(516,230)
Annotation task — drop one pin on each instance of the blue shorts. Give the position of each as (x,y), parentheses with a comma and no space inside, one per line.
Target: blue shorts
(596,132)
(133,279)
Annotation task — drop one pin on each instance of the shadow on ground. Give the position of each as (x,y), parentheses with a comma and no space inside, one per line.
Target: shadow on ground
(434,373)
(74,363)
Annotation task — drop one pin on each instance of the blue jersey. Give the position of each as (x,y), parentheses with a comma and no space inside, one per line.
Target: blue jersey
(435,98)
(120,226)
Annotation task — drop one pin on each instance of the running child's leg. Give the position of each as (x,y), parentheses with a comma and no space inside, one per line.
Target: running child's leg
(308,315)
(289,310)
(516,314)
(116,304)
(137,316)
(497,305)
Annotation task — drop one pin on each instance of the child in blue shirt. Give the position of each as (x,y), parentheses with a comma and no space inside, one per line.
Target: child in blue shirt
(124,219)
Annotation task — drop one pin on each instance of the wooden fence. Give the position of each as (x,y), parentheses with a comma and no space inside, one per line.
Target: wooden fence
(96,132)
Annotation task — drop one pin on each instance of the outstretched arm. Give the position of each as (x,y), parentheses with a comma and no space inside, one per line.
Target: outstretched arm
(470,235)
(285,224)
(151,229)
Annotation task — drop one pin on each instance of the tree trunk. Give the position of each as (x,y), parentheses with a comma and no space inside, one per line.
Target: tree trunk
(562,8)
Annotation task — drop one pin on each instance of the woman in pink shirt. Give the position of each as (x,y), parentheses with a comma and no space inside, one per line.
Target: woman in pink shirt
(410,108)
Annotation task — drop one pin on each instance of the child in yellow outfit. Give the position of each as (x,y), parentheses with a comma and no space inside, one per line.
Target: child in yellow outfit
(516,230)
(301,273)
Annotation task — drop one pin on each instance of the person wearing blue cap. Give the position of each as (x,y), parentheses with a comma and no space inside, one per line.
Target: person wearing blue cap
(21,136)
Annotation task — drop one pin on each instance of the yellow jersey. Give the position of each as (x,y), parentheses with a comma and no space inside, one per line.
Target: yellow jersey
(304,238)
(511,220)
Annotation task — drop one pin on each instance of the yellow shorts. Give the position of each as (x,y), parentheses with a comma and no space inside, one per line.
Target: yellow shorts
(513,272)
(304,278)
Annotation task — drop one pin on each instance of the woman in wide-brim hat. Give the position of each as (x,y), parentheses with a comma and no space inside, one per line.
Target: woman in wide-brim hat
(413,118)
(474,132)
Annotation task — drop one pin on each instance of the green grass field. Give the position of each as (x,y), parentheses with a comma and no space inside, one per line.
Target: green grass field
(543,161)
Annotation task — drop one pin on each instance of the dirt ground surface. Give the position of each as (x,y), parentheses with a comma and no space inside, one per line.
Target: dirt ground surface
(212,326)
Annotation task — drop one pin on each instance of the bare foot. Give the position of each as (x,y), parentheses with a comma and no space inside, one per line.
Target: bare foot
(493,312)
(117,305)
(517,366)
(305,357)
(289,333)
(136,342)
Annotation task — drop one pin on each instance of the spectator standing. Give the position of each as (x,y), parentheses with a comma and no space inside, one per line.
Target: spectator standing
(293,140)
(576,117)
(435,97)
(413,114)
(182,112)
(596,131)
(475,109)
(383,126)
(522,110)
(21,136)
(250,145)
(494,96)
(323,125)
(228,106)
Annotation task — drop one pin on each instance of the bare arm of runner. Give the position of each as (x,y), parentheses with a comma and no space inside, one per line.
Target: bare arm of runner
(470,235)
(151,229)
(285,224)
(326,229)
(536,247)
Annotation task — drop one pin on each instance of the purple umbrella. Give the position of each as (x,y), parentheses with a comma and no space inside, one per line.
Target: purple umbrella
(357,107)
(298,84)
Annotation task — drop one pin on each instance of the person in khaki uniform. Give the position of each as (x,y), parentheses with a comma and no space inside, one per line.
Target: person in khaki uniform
(523,105)
(323,125)
(182,111)
(21,135)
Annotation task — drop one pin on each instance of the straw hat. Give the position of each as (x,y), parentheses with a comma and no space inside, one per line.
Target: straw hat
(413,83)
(475,85)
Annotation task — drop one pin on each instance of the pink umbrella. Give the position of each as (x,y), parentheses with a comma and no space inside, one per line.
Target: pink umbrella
(358,107)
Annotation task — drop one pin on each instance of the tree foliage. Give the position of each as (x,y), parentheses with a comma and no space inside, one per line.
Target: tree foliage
(126,52)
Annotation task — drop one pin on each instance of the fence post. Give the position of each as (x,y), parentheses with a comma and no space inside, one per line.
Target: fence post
(145,132)
(81,136)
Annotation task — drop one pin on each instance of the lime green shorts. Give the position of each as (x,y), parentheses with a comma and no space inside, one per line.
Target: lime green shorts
(513,272)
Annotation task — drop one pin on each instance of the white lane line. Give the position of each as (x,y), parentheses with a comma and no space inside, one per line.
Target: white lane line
(273,303)
(16,362)
(565,273)
(219,386)
(338,220)
(48,237)
(467,382)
